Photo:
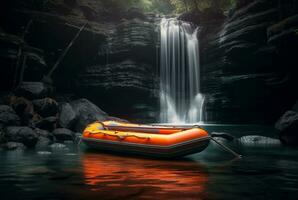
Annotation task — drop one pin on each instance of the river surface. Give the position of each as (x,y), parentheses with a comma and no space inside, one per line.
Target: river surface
(263,173)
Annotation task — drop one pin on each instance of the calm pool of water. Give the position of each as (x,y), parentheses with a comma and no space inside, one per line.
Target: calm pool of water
(262,173)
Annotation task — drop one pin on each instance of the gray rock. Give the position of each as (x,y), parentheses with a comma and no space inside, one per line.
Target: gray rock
(43,143)
(48,123)
(62,134)
(32,90)
(44,153)
(44,133)
(86,113)
(67,115)
(288,127)
(8,116)
(14,146)
(45,107)
(58,146)
(258,141)
(21,134)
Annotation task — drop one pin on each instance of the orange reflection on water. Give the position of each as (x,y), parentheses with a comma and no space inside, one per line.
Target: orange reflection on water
(150,179)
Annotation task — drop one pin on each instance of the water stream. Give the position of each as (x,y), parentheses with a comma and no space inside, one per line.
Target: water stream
(180,97)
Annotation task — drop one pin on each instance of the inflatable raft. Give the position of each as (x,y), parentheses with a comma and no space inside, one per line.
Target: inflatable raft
(157,141)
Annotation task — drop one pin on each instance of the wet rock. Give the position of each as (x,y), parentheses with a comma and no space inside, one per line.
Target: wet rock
(58,147)
(8,116)
(44,153)
(48,123)
(32,90)
(44,133)
(43,143)
(46,107)
(258,141)
(62,134)
(21,134)
(226,136)
(14,146)
(67,115)
(86,113)
(288,127)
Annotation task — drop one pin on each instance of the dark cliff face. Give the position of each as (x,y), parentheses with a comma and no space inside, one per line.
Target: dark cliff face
(248,63)
(248,58)
(113,61)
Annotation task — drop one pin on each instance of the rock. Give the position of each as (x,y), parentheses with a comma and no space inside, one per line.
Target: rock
(14,146)
(258,141)
(43,143)
(78,137)
(46,107)
(62,134)
(288,127)
(86,113)
(32,90)
(21,134)
(44,153)
(58,146)
(48,123)
(8,116)
(67,115)
(23,107)
(44,133)
(226,136)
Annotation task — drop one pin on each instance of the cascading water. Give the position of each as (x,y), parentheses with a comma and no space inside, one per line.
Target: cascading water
(180,97)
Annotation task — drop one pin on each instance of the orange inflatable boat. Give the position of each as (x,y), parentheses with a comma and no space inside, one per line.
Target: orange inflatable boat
(157,141)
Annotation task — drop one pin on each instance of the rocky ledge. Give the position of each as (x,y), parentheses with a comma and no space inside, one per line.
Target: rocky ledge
(42,122)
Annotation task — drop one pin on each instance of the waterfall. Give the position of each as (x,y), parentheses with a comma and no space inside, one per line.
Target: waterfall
(180,97)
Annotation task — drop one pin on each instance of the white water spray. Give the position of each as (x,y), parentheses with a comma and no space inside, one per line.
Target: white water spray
(180,97)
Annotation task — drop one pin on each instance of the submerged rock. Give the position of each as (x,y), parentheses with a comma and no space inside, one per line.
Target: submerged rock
(67,115)
(21,134)
(288,127)
(8,116)
(63,134)
(46,107)
(86,113)
(258,141)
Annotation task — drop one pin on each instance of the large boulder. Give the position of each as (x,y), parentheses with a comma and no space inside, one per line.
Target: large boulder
(8,116)
(46,107)
(288,128)
(63,134)
(32,90)
(86,113)
(67,115)
(21,134)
